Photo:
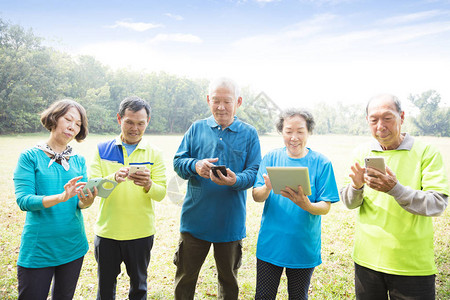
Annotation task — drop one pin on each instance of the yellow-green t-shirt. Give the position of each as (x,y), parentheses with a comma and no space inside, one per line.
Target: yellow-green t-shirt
(388,238)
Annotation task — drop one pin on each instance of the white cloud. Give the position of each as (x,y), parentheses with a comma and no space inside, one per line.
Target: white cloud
(301,30)
(176,37)
(318,59)
(310,27)
(136,26)
(267,1)
(175,17)
(321,59)
(414,17)
(297,38)
(326,36)
(329,2)
(411,33)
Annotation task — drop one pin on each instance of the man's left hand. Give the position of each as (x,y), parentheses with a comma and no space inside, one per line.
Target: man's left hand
(379,181)
(142,178)
(230,179)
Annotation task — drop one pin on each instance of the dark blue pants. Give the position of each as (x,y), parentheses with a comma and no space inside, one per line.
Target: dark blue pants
(136,256)
(374,285)
(34,283)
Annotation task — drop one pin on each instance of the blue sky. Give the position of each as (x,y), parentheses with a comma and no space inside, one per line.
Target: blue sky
(298,52)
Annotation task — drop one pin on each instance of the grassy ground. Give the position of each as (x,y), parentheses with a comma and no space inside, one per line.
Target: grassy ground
(331,280)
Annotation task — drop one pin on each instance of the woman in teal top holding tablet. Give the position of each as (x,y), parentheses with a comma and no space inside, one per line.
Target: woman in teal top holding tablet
(47,187)
(289,237)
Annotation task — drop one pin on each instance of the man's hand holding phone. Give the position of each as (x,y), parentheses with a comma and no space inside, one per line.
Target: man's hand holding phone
(121,175)
(136,168)
(376,163)
(203,167)
(378,176)
(216,169)
(222,176)
(140,175)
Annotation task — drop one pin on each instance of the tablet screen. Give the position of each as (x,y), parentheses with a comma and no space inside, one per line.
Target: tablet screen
(280,177)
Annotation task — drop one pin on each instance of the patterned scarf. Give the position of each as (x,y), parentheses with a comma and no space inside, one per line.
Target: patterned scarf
(61,158)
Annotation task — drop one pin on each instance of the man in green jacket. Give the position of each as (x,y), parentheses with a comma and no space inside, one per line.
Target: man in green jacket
(393,249)
(126,221)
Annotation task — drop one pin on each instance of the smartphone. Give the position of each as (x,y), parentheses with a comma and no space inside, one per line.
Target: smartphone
(103,185)
(135,168)
(91,183)
(376,163)
(222,169)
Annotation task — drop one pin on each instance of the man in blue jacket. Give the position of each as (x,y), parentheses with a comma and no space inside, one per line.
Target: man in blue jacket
(214,208)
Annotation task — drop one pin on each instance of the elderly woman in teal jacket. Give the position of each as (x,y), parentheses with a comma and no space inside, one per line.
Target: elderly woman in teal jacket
(47,185)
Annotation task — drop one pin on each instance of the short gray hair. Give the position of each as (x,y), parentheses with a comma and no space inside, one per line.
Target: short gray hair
(394,99)
(226,83)
(292,112)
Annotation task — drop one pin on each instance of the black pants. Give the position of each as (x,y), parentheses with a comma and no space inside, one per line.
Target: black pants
(136,256)
(34,283)
(268,279)
(374,285)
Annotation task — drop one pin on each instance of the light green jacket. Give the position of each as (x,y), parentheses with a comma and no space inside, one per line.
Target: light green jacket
(128,212)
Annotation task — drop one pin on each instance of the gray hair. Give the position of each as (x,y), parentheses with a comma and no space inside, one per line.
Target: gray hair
(292,112)
(394,99)
(225,83)
(134,104)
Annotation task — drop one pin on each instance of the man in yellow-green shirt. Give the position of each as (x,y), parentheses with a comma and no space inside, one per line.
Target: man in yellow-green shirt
(125,225)
(393,251)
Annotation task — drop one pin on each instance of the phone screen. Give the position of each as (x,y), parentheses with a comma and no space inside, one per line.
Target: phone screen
(222,169)
(376,163)
(135,168)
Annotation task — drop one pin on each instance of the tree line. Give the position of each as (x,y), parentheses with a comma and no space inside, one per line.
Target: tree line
(32,76)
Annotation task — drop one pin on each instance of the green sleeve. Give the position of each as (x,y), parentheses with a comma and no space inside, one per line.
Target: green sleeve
(157,191)
(434,174)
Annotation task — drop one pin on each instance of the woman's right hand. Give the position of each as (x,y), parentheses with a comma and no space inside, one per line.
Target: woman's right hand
(71,188)
(260,194)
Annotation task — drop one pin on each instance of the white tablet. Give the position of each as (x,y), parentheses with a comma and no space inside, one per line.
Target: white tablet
(280,177)
(104,186)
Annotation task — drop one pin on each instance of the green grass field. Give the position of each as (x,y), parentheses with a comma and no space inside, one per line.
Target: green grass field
(331,280)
